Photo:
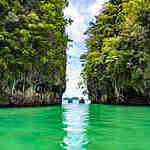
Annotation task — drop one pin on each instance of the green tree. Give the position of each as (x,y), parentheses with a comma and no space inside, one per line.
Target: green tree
(118,52)
(33,40)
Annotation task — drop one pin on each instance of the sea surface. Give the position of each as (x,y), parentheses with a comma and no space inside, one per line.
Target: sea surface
(75,127)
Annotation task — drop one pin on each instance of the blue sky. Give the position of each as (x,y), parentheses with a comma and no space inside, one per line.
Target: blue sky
(82,12)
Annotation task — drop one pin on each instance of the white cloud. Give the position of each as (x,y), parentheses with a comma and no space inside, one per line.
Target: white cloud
(78,26)
(96,7)
(71,52)
(72,87)
(82,12)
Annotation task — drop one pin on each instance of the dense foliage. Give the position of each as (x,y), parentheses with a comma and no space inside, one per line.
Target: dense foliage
(33,41)
(117,67)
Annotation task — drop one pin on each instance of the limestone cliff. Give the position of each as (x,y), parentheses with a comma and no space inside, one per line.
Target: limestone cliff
(33,45)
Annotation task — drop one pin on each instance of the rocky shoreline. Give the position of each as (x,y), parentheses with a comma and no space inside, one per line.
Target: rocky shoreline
(26,105)
(137,101)
(9,103)
(29,98)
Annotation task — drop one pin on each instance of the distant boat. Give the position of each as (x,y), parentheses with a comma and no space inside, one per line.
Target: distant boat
(81,101)
(70,101)
(75,98)
(65,98)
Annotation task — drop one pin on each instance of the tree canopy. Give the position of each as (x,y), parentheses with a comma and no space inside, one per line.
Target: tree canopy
(118,57)
(33,40)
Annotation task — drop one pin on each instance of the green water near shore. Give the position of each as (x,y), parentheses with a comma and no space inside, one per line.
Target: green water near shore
(75,127)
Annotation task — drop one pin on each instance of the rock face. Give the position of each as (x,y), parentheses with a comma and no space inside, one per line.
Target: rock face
(39,93)
(33,46)
(126,96)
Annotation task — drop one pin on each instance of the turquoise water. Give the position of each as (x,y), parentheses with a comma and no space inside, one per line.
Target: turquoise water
(75,127)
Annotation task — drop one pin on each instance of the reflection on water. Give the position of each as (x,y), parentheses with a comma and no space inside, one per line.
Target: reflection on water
(75,127)
(118,128)
(76,121)
(31,128)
